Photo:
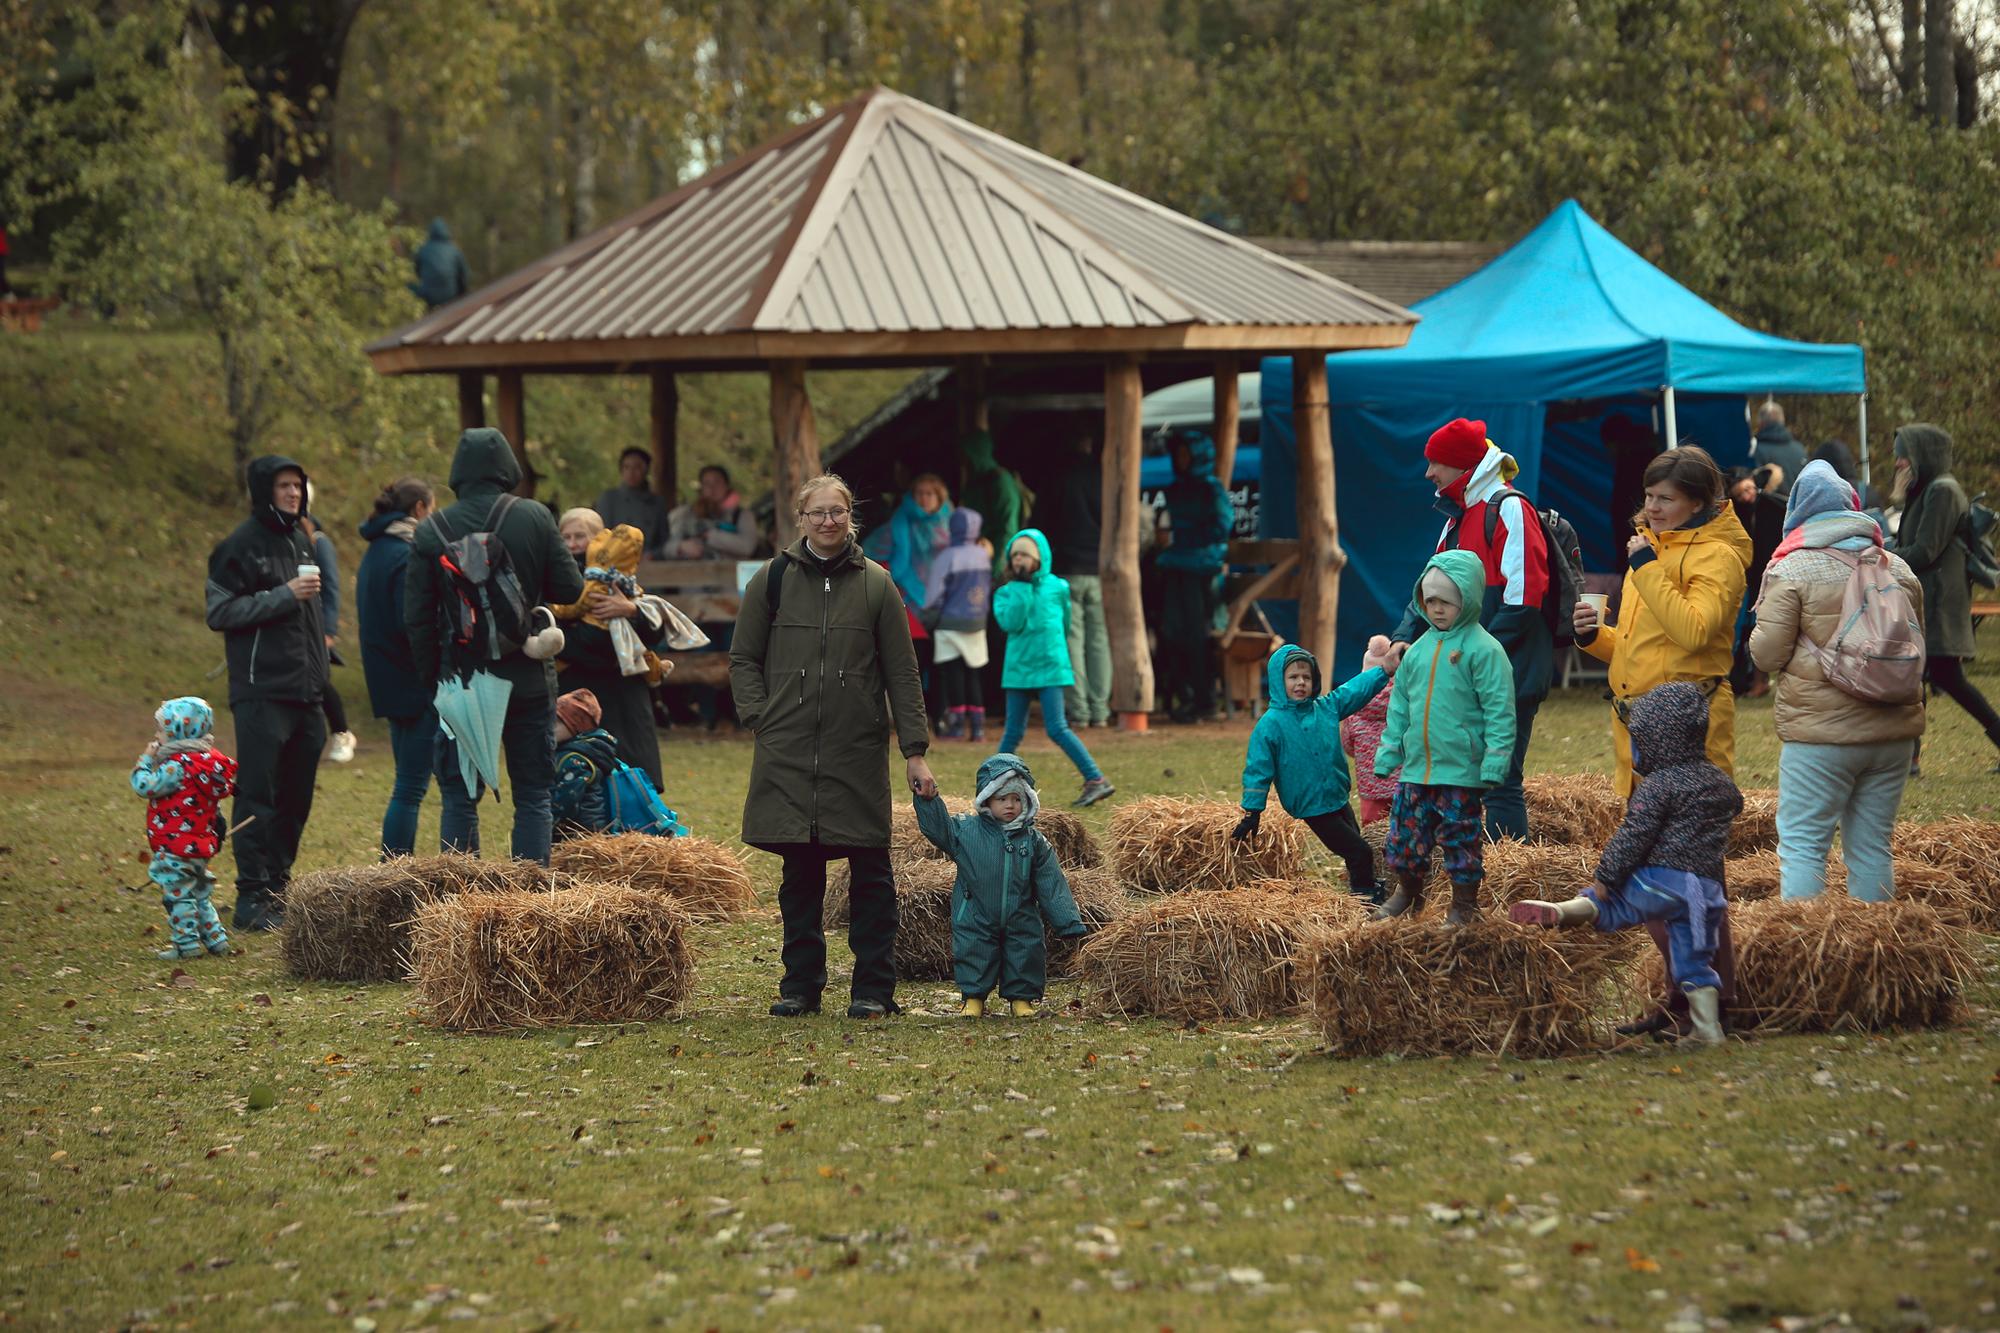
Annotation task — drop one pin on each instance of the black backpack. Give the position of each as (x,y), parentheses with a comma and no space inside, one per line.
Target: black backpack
(1565,562)
(1975,531)
(488,617)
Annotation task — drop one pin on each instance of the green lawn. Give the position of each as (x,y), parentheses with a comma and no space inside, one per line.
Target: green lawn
(1079,1171)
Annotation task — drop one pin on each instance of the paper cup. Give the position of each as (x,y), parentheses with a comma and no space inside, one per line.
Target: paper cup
(1599,602)
(309,571)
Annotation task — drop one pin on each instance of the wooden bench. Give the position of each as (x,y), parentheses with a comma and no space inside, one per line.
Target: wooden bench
(1246,640)
(1980,612)
(705,591)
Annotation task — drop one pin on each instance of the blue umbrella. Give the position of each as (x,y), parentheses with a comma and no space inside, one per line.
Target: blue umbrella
(473,713)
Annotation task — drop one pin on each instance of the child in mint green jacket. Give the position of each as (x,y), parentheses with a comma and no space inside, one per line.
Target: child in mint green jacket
(1032,608)
(1451,729)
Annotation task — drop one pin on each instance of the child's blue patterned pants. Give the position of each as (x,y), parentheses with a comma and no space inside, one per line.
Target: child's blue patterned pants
(1446,818)
(185,886)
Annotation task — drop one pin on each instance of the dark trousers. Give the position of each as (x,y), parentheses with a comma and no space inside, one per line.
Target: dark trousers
(334,707)
(277,763)
(871,921)
(529,740)
(1341,834)
(1187,612)
(413,742)
(1507,804)
(958,686)
(1948,674)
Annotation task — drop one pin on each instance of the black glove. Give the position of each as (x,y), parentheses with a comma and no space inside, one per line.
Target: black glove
(1247,826)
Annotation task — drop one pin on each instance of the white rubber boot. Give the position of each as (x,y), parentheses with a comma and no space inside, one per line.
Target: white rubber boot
(1705,1009)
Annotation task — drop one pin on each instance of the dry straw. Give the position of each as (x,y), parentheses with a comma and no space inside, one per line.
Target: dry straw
(1756,829)
(1517,870)
(1574,808)
(594,954)
(1943,888)
(707,879)
(352,923)
(1212,954)
(1161,844)
(1832,963)
(1069,838)
(1408,987)
(1969,850)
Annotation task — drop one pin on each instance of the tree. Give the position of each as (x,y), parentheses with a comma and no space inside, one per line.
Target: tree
(288,56)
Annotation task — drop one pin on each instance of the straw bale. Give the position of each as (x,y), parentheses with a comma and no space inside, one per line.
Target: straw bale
(1756,829)
(592,954)
(1969,850)
(352,923)
(705,877)
(1407,987)
(1211,954)
(1100,900)
(1943,887)
(906,840)
(1071,840)
(1161,844)
(1516,870)
(1832,963)
(1576,808)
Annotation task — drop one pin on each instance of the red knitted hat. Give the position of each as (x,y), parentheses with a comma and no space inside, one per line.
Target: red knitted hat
(578,710)
(1460,443)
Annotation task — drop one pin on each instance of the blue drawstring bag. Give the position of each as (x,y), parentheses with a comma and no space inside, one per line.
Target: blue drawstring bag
(636,806)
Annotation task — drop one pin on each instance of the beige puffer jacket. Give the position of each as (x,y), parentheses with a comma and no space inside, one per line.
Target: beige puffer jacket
(1803,592)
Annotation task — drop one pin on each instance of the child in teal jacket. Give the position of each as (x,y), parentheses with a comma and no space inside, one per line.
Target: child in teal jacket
(1008,880)
(1451,728)
(1032,608)
(1296,745)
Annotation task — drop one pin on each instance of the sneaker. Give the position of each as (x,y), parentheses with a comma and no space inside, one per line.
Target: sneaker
(794,1006)
(342,748)
(1094,791)
(866,1009)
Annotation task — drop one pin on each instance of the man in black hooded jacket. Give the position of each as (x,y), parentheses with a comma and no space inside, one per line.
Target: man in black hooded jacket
(268,615)
(484,469)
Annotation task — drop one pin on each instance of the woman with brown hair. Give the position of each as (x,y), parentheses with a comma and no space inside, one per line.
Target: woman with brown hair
(1688,562)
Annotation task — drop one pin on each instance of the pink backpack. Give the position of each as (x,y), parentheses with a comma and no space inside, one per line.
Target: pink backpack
(1877,654)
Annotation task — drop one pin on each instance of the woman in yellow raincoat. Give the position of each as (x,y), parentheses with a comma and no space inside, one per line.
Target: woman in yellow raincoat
(1688,560)
(1677,616)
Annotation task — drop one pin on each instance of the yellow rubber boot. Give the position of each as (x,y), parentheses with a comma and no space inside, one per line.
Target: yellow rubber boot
(975,1007)
(1021,1008)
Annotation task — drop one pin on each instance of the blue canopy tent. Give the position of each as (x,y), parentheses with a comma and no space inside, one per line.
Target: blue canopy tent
(1551,344)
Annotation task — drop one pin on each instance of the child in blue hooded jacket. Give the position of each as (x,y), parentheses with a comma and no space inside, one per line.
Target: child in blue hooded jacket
(1451,728)
(1008,881)
(1033,609)
(1296,745)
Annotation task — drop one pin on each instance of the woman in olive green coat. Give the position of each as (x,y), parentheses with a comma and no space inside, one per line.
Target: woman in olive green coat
(821,640)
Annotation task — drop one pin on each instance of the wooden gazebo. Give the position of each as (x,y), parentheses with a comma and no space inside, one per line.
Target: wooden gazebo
(888,233)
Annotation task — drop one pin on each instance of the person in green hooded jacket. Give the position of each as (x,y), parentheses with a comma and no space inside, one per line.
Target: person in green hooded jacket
(1033,610)
(1008,881)
(1451,730)
(991,490)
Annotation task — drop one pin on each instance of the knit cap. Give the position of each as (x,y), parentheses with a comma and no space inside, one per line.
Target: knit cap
(1459,444)
(578,710)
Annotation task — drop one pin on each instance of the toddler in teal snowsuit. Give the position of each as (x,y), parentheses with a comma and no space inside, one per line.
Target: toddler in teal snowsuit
(184,779)
(1008,880)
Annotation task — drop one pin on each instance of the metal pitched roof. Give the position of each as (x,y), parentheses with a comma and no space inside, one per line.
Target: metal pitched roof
(883,218)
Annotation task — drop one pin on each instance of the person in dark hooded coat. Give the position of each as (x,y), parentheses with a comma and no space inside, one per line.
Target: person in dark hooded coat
(269,617)
(484,469)
(1837,453)
(441,273)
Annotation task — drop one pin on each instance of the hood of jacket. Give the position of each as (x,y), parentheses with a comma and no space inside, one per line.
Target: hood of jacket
(1669,726)
(964,526)
(1722,526)
(395,523)
(438,231)
(263,479)
(598,745)
(188,718)
(1000,772)
(976,448)
(484,464)
(801,552)
(616,548)
(1775,433)
(1496,468)
(1928,448)
(1201,456)
(1041,545)
(1464,569)
(1274,675)
(1820,489)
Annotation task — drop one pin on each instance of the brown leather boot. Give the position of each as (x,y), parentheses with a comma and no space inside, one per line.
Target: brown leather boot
(1464,905)
(1408,897)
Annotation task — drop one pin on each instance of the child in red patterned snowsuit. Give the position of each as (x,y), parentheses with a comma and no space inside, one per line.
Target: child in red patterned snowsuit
(184,779)
(1361,732)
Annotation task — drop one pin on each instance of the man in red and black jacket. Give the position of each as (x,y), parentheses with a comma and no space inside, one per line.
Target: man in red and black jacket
(1472,477)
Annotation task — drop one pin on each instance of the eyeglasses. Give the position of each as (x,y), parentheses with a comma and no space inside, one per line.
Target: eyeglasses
(827,515)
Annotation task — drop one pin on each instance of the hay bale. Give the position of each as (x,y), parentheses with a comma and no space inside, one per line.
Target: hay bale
(1943,888)
(1100,900)
(352,923)
(1756,829)
(1073,843)
(705,877)
(1580,809)
(1968,850)
(1516,870)
(1407,987)
(1161,844)
(1832,963)
(1210,954)
(593,954)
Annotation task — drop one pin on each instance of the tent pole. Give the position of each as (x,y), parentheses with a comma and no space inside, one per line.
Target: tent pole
(1673,430)
(1862,403)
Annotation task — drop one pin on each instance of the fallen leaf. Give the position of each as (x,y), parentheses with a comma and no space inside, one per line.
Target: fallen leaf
(1639,1263)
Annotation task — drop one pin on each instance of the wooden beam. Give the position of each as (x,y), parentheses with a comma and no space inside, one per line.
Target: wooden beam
(471,400)
(794,439)
(1320,556)
(1227,414)
(509,402)
(1118,546)
(665,436)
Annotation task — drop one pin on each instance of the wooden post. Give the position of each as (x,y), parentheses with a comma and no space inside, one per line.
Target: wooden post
(795,440)
(1227,413)
(1118,547)
(514,425)
(666,437)
(471,400)
(1320,556)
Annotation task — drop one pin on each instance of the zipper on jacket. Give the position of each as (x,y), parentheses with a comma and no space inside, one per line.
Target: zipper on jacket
(819,717)
(255,640)
(1430,691)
